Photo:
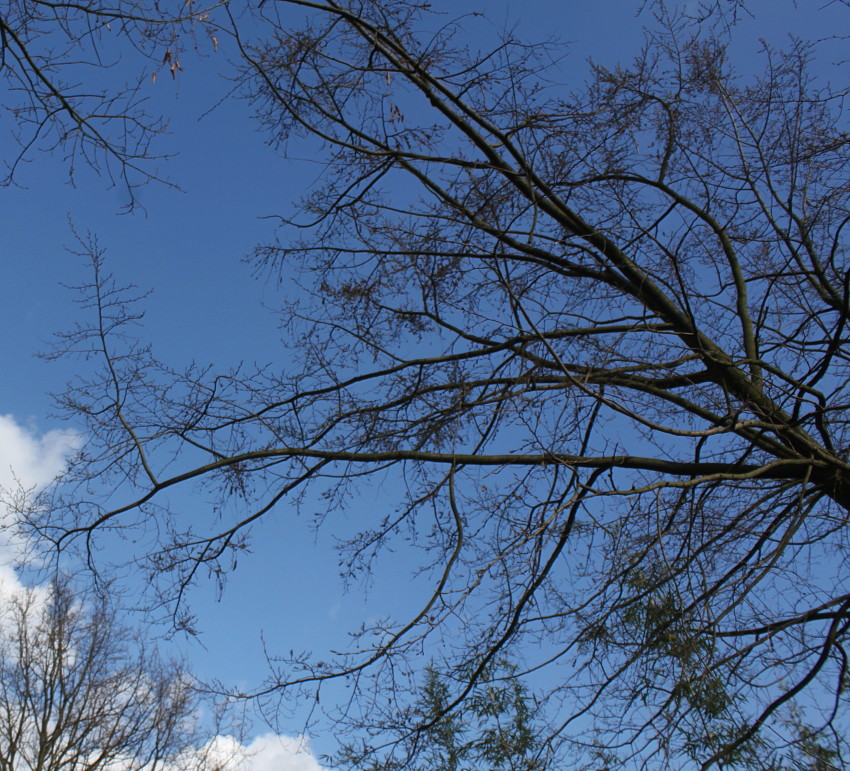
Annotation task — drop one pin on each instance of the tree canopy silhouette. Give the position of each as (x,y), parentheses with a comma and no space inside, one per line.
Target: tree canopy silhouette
(599,333)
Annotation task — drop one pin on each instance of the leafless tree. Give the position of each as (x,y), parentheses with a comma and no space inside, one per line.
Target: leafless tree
(77,693)
(72,76)
(599,333)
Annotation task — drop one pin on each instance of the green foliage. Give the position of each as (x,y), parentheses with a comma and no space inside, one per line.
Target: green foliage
(495,728)
(813,750)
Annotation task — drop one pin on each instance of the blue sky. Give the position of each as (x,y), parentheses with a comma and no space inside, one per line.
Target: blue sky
(188,246)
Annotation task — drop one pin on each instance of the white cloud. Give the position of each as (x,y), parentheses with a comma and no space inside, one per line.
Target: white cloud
(268,752)
(10,587)
(29,462)
(281,753)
